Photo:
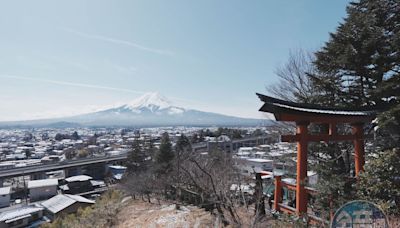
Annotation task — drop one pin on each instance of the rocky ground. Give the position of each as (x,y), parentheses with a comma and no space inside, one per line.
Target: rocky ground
(142,214)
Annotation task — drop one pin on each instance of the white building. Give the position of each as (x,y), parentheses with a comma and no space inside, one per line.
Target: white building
(42,189)
(5,196)
(245,152)
(249,166)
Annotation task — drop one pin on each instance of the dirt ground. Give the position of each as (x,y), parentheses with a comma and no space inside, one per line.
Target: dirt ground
(140,214)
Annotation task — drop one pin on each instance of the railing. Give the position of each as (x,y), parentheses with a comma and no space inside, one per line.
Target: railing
(279,206)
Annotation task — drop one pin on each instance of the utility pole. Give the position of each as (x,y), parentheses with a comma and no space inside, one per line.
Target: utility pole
(25,190)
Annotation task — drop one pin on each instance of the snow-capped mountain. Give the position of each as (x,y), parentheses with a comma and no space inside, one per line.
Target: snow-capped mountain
(153,102)
(150,110)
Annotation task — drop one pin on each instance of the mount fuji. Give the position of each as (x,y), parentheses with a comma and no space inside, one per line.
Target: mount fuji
(149,110)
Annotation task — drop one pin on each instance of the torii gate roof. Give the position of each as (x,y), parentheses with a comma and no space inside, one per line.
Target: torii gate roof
(299,112)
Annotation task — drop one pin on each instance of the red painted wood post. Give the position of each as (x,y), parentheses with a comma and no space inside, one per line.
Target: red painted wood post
(358,132)
(332,129)
(302,147)
(278,193)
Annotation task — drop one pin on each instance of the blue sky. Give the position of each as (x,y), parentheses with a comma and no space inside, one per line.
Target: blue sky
(62,58)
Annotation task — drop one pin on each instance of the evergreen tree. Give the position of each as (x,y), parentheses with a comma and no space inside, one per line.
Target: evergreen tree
(201,135)
(136,161)
(380,183)
(75,136)
(165,155)
(389,121)
(361,55)
(183,144)
(359,68)
(150,149)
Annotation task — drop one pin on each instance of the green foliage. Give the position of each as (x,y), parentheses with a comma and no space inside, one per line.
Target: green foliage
(183,144)
(389,121)
(60,136)
(136,160)
(361,56)
(380,182)
(75,136)
(359,67)
(336,190)
(165,155)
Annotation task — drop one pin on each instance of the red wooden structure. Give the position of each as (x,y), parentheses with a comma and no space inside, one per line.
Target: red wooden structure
(303,115)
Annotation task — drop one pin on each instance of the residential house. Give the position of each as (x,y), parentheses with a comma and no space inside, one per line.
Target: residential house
(21,216)
(5,196)
(64,204)
(42,189)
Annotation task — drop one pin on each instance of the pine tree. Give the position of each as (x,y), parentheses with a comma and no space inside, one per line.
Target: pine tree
(136,161)
(165,155)
(380,183)
(389,121)
(359,67)
(361,55)
(183,144)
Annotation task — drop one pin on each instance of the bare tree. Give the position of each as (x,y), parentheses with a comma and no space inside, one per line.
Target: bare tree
(212,176)
(294,83)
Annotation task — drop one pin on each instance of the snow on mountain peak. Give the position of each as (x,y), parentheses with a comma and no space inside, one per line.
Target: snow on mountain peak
(153,101)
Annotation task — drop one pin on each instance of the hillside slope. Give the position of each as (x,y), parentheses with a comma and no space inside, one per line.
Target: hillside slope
(142,214)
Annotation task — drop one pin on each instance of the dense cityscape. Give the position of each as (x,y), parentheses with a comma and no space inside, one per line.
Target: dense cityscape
(34,192)
(121,114)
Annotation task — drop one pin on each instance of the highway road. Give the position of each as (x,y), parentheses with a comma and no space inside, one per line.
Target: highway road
(28,170)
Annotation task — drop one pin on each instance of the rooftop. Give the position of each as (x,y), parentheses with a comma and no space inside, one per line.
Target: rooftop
(14,214)
(260,160)
(117,167)
(78,178)
(60,202)
(5,190)
(42,183)
(292,111)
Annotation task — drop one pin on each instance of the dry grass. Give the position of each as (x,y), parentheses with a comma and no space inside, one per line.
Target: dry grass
(153,215)
(138,214)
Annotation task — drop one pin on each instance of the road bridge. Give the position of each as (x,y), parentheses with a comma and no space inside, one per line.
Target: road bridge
(233,145)
(34,169)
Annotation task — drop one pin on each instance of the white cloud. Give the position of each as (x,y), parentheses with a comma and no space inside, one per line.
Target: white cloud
(122,69)
(72,84)
(120,42)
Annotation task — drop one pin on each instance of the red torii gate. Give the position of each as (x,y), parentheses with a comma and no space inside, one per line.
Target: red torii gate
(303,115)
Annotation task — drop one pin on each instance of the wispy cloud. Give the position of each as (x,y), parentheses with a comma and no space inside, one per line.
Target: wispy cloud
(92,86)
(129,70)
(72,84)
(119,42)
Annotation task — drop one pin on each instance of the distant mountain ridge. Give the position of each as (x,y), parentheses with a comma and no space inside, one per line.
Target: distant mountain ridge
(149,110)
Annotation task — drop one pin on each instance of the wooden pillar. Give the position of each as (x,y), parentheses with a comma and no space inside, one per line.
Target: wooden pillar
(332,129)
(358,132)
(260,205)
(278,192)
(302,147)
